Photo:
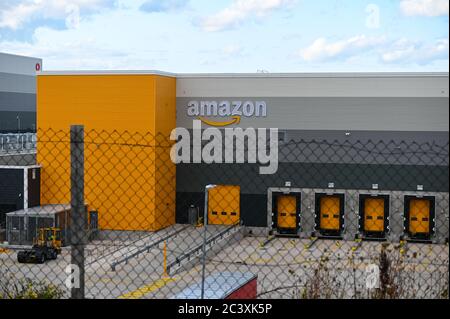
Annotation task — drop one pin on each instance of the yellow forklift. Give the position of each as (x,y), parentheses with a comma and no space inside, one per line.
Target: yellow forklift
(46,247)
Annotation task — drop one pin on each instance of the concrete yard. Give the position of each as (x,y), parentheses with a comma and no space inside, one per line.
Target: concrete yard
(284,266)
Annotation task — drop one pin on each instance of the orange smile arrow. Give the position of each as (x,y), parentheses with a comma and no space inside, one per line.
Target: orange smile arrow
(235,120)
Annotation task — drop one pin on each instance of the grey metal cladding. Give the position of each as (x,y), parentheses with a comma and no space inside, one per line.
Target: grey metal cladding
(364,152)
(341,136)
(340,113)
(315,85)
(360,147)
(9,121)
(17,83)
(20,160)
(194,177)
(17,102)
(10,63)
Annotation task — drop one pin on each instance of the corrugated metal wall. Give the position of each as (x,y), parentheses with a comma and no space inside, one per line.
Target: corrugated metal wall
(17,93)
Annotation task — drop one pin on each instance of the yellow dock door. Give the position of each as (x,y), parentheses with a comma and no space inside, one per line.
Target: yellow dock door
(224,205)
(287,211)
(330,207)
(419,216)
(374,214)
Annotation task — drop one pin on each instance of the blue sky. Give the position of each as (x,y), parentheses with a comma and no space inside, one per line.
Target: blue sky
(229,35)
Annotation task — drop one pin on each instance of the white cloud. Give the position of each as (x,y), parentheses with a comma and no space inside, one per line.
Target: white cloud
(232,50)
(406,51)
(390,51)
(15,15)
(321,49)
(163,6)
(73,17)
(73,49)
(428,8)
(241,10)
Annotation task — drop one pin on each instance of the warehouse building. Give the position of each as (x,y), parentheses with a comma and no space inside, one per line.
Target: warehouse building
(343,108)
(339,108)
(20,190)
(18,93)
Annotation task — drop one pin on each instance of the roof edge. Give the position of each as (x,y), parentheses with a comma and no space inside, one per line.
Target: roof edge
(314,75)
(21,56)
(250,75)
(109,72)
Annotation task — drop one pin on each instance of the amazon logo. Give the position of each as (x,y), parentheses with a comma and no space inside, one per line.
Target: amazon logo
(225,113)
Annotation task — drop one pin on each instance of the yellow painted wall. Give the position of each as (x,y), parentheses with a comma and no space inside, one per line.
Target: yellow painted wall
(166,173)
(123,153)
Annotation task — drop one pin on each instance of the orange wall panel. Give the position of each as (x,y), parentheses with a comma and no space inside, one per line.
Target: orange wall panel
(122,115)
(165,171)
(100,102)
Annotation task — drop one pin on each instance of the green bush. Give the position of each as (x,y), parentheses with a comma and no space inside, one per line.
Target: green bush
(13,288)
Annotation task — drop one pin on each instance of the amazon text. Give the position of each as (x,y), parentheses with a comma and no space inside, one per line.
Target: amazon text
(227,108)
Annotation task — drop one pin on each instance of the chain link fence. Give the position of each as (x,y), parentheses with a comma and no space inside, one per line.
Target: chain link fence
(97,214)
(17,142)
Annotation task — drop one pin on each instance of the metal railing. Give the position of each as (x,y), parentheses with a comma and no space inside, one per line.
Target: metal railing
(18,143)
(196,251)
(145,248)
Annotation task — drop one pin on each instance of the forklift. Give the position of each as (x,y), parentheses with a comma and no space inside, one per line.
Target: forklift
(46,247)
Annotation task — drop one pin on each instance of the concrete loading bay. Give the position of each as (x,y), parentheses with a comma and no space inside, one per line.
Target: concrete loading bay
(397,221)
(283,265)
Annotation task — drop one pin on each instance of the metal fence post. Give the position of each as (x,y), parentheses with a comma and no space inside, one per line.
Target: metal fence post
(78,213)
(205,223)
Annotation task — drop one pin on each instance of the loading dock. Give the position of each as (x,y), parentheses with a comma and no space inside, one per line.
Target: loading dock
(330,214)
(224,205)
(419,217)
(373,215)
(286,212)
(20,189)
